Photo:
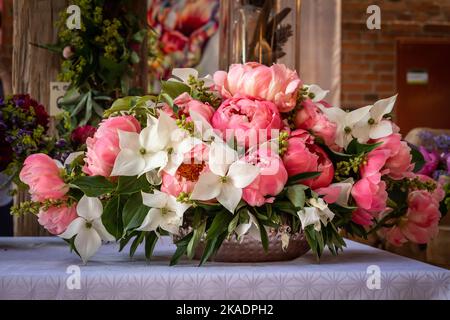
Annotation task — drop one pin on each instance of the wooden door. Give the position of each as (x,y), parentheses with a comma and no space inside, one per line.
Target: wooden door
(423,83)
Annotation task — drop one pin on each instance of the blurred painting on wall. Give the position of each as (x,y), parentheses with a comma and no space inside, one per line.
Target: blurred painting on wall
(184,29)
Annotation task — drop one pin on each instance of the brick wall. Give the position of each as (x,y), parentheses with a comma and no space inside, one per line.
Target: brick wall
(368,56)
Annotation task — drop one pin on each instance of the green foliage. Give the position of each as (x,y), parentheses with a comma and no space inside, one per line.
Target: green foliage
(94,186)
(417,158)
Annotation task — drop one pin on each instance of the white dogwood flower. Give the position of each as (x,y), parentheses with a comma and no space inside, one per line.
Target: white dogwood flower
(162,144)
(227,177)
(345,122)
(88,228)
(183,74)
(373,125)
(318,92)
(166,212)
(251,228)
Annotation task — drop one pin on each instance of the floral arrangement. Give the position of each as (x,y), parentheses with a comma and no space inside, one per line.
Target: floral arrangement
(99,58)
(253,152)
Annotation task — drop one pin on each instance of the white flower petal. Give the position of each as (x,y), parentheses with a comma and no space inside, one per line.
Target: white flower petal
(171,222)
(174,161)
(361,131)
(381,130)
(154,177)
(326,215)
(345,189)
(207,187)
(178,207)
(73,228)
(129,140)
(128,163)
(157,199)
(242,229)
(203,129)
(152,220)
(72,157)
(319,93)
(154,160)
(229,196)
(308,216)
(356,115)
(382,107)
(184,73)
(101,230)
(90,208)
(334,114)
(241,174)
(220,158)
(87,242)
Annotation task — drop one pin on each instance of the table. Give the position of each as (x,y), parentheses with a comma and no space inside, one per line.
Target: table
(41,268)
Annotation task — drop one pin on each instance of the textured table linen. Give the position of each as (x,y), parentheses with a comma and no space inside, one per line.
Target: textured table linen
(36,268)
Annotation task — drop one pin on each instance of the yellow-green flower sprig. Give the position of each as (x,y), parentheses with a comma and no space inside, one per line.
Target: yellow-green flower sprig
(346,167)
(283,142)
(203,93)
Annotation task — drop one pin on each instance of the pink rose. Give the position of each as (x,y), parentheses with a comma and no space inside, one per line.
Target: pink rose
(270,181)
(187,173)
(186,104)
(43,176)
(309,117)
(398,165)
(245,118)
(276,83)
(56,219)
(103,148)
(370,194)
(302,155)
(420,224)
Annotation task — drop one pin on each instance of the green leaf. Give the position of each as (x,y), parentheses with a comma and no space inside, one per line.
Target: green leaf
(212,246)
(150,241)
(417,158)
(174,88)
(137,241)
(181,248)
(357,148)
(233,224)
(111,217)
(79,105)
(220,222)
(94,186)
(130,185)
(302,176)
(296,194)
(134,212)
(195,240)
(264,237)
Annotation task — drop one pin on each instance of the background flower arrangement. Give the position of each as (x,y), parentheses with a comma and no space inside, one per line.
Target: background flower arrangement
(24,126)
(99,58)
(252,152)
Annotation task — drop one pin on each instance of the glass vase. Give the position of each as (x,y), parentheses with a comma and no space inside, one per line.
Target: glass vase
(264,31)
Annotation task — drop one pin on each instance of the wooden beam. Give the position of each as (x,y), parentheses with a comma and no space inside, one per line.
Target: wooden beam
(33,69)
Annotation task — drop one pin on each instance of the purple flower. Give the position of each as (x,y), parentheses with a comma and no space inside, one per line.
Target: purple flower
(431,161)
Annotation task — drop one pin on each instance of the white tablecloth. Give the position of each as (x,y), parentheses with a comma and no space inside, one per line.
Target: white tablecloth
(36,268)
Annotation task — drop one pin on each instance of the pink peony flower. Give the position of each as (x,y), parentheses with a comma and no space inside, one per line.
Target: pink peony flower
(43,176)
(103,148)
(370,194)
(398,165)
(420,224)
(438,193)
(310,118)
(277,83)
(186,104)
(270,181)
(250,120)
(431,161)
(375,161)
(362,217)
(302,155)
(187,173)
(56,219)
